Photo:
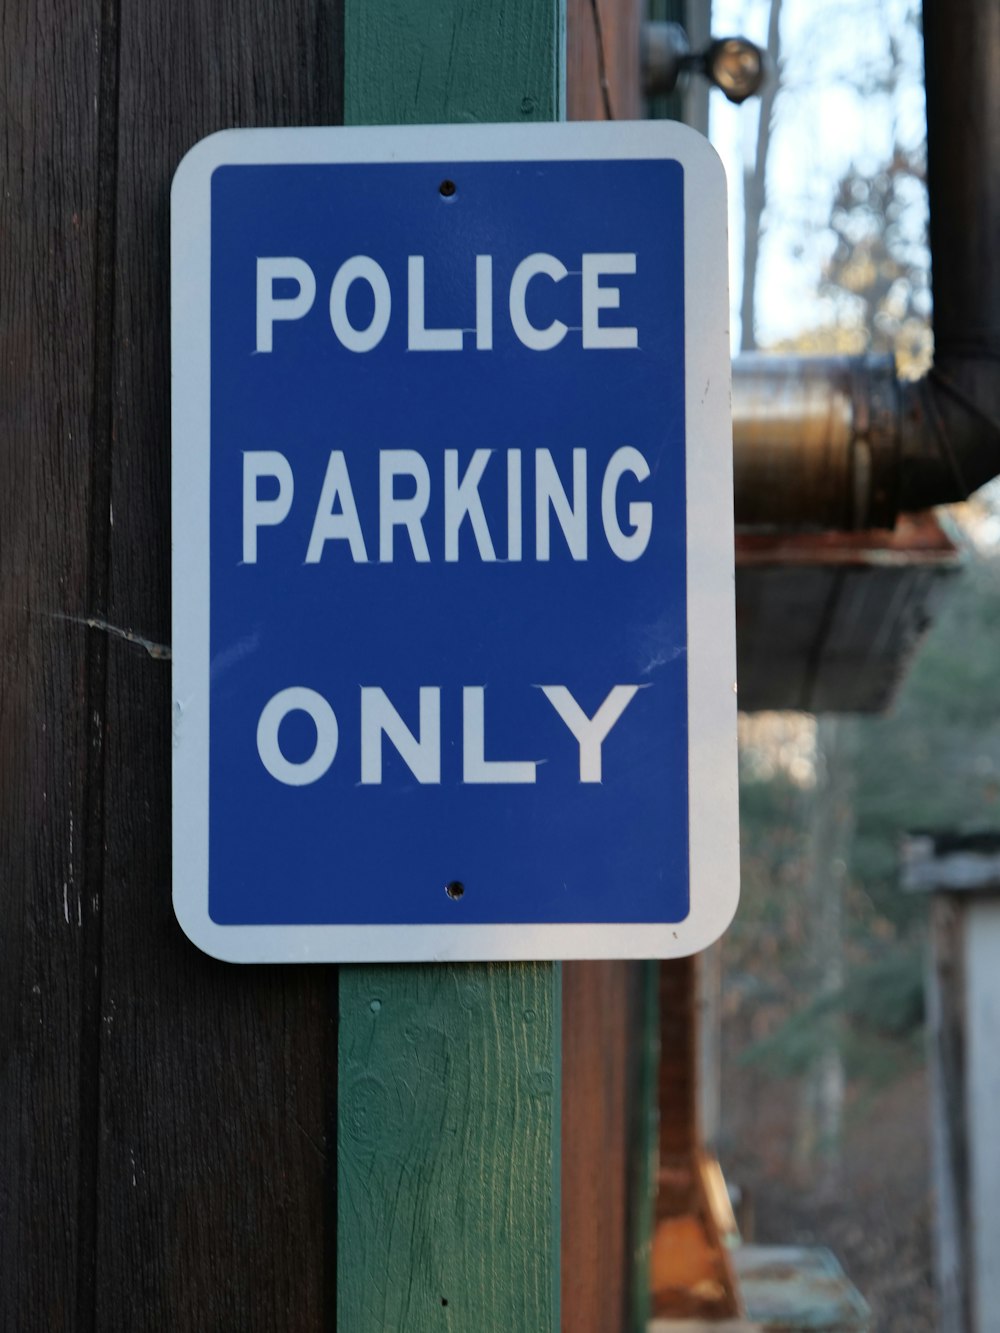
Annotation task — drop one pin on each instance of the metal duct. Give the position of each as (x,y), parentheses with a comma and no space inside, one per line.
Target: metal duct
(815,441)
(951,442)
(841,443)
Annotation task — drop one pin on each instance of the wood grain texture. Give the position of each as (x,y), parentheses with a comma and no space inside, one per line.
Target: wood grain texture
(215,1170)
(453,61)
(947,1024)
(607,1184)
(448,1148)
(678,1099)
(49,74)
(603,80)
(449,1075)
(603,1018)
(982,949)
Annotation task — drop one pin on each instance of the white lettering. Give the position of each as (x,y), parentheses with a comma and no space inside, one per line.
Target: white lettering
(549,492)
(360,268)
(271,308)
(263,513)
(407,512)
(590,732)
(291,772)
(598,293)
(539,340)
(422,755)
(419,337)
(597,298)
(328,526)
(475,766)
(513,504)
(458,496)
(462,498)
(420,751)
(630,545)
(484,303)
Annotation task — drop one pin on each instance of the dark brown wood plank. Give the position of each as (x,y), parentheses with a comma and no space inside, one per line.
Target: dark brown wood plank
(218,1083)
(602,1033)
(49,63)
(602,60)
(603,1014)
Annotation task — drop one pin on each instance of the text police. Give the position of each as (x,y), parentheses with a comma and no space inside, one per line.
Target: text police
(400,517)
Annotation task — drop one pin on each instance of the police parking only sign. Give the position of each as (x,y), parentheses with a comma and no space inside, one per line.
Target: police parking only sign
(454,665)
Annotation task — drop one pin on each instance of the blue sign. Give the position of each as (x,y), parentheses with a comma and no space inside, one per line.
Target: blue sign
(433,444)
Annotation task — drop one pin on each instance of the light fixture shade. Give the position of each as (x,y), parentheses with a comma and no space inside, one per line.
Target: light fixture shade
(736,66)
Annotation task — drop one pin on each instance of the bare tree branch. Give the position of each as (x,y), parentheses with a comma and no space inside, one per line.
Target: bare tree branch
(755,182)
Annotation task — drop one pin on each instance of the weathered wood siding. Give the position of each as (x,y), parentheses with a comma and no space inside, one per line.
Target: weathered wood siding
(164,1119)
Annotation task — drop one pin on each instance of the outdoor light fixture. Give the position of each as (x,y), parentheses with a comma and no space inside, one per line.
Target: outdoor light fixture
(733,64)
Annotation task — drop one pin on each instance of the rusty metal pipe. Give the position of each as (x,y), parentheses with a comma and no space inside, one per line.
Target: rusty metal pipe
(842,443)
(816,442)
(950,432)
(951,444)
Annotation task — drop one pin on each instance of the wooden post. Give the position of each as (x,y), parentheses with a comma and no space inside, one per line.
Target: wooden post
(164,1157)
(608,1141)
(964,1007)
(983,1054)
(962,871)
(609,1010)
(692,1274)
(449,1103)
(603,79)
(946,1035)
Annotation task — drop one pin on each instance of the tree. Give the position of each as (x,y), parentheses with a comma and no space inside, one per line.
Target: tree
(755,182)
(877,277)
(934,762)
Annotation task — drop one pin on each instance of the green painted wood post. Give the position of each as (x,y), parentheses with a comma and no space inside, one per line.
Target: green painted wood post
(449,1085)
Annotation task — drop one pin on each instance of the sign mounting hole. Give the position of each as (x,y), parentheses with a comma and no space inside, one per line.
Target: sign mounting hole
(454,889)
(447,188)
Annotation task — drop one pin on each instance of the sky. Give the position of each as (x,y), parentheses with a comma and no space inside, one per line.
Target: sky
(825,120)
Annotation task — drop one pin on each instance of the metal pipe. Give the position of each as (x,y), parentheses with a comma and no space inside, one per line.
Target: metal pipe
(961,45)
(953,431)
(842,443)
(815,441)
(664,48)
(950,432)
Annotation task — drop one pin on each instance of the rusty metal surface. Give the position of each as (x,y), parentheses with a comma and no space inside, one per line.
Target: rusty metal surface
(791,1289)
(815,442)
(842,443)
(703,1326)
(785,1289)
(917,539)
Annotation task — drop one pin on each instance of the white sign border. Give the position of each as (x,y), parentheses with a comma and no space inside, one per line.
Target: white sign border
(712,782)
